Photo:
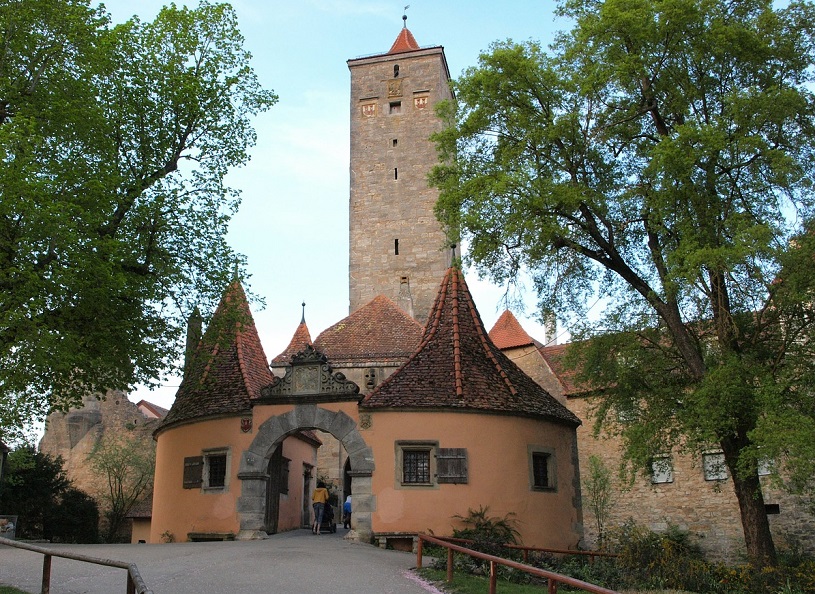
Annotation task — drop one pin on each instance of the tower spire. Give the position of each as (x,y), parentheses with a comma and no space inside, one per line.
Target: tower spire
(303,319)
(404,17)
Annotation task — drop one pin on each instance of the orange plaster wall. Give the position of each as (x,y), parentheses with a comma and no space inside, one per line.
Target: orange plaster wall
(498,467)
(291,504)
(178,511)
(141,530)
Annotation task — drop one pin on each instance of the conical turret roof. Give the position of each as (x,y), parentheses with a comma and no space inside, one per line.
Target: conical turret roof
(405,42)
(458,367)
(298,343)
(228,367)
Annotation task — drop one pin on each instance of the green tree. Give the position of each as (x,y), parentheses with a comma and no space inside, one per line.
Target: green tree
(35,482)
(660,158)
(125,463)
(598,488)
(114,143)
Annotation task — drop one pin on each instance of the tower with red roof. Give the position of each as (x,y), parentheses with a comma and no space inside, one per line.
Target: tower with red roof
(397,247)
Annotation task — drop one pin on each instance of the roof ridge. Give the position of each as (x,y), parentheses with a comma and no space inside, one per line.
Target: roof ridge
(485,341)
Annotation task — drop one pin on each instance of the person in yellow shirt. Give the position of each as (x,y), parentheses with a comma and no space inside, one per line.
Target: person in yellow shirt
(318,500)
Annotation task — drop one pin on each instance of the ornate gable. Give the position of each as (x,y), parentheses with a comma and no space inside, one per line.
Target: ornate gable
(309,378)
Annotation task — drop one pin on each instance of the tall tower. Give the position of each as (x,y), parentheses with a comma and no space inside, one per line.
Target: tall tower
(397,247)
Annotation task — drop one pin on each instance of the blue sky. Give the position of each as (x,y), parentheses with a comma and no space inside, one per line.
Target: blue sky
(293,221)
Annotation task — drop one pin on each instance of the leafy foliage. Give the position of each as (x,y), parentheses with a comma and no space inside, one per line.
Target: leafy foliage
(114,143)
(125,464)
(38,492)
(659,160)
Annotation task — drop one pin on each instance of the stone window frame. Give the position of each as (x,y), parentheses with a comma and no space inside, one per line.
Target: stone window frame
(209,455)
(713,466)
(430,447)
(662,470)
(537,452)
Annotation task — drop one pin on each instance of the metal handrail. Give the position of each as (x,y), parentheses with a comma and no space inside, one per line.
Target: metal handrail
(135,584)
(553,578)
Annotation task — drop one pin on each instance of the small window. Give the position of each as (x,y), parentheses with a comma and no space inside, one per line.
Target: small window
(395,173)
(416,464)
(395,107)
(395,247)
(662,470)
(416,467)
(542,473)
(541,477)
(215,471)
(714,467)
(395,70)
(395,142)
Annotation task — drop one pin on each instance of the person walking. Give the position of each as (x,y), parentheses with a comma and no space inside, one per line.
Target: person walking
(318,500)
(346,513)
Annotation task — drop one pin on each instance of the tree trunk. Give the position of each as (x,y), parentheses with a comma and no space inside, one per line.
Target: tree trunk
(755,524)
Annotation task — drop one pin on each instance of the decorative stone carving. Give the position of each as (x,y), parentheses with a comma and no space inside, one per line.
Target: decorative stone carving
(309,374)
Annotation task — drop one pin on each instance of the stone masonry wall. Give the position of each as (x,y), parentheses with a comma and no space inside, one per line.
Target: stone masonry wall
(393,231)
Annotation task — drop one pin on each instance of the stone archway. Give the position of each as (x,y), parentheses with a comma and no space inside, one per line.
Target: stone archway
(254,463)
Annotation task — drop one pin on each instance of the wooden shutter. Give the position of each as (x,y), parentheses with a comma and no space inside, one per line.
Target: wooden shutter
(193,472)
(451,465)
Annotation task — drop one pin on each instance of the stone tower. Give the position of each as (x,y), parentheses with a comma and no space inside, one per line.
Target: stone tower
(397,247)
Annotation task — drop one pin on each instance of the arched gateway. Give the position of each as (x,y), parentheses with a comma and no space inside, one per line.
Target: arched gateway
(255,461)
(310,396)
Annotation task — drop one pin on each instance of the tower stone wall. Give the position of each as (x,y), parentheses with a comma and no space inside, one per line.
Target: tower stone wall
(397,247)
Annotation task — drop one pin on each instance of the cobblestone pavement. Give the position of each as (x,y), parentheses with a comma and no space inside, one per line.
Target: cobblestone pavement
(294,562)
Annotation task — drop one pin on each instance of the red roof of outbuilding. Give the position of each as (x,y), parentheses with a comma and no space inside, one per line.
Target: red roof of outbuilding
(228,367)
(458,367)
(507,332)
(379,331)
(405,42)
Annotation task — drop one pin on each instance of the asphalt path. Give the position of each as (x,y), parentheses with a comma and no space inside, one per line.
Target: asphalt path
(296,562)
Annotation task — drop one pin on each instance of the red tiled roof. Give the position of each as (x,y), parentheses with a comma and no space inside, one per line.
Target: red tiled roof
(299,341)
(458,367)
(378,331)
(157,410)
(554,356)
(228,367)
(405,42)
(507,332)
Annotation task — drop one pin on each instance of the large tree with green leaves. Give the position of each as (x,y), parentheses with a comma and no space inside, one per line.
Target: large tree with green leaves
(114,144)
(660,157)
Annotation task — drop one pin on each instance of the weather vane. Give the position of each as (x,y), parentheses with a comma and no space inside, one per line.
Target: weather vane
(404,17)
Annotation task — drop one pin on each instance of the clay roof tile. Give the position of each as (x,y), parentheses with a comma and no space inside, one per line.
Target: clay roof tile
(405,42)
(457,366)
(379,331)
(228,367)
(507,332)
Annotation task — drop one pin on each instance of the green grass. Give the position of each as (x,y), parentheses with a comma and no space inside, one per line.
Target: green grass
(464,583)
(470,584)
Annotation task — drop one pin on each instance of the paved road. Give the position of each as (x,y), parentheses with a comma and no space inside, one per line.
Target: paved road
(296,562)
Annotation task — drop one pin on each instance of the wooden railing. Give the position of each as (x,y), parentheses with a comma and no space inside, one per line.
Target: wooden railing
(135,584)
(525,550)
(553,578)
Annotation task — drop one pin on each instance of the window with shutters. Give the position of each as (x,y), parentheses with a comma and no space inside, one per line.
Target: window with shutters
(209,471)
(451,465)
(542,469)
